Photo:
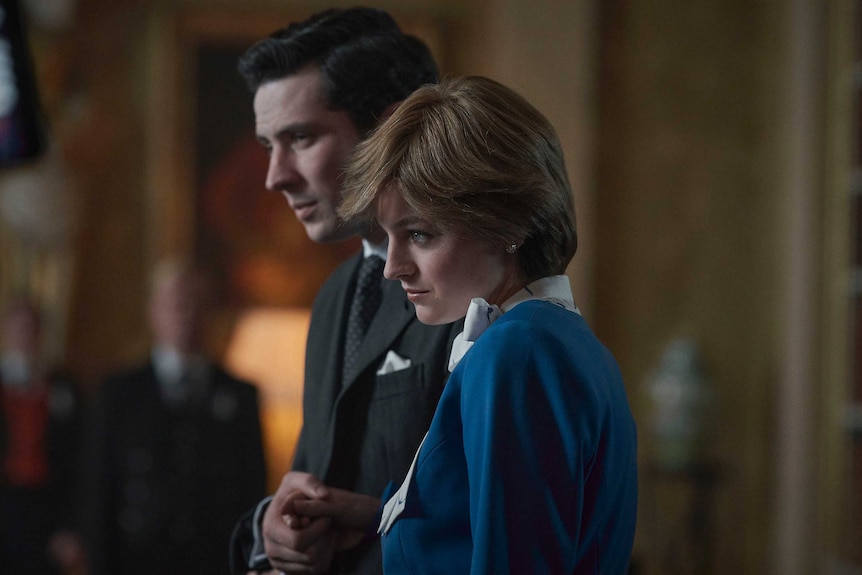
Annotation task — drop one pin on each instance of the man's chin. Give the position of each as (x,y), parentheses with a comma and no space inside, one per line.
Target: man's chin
(327,234)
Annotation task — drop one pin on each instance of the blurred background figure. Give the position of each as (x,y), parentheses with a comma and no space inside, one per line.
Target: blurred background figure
(40,422)
(173,451)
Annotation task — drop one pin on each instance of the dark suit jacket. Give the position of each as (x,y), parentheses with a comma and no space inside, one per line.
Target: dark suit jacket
(363,434)
(163,486)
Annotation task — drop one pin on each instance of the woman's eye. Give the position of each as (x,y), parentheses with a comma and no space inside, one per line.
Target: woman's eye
(418,237)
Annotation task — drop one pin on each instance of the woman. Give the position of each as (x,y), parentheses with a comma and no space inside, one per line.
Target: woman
(529,465)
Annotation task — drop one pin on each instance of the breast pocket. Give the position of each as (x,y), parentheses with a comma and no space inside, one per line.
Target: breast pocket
(400,411)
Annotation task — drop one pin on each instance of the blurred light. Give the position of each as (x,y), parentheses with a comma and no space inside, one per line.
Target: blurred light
(267,347)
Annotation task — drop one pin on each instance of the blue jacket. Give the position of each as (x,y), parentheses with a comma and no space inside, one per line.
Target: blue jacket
(529,465)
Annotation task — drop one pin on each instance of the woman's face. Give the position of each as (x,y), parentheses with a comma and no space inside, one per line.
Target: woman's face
(441,272)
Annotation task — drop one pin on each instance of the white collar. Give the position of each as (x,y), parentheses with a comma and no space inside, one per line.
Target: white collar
(555,289)
(19,370)
(481,314)
(170,364)
(379,250)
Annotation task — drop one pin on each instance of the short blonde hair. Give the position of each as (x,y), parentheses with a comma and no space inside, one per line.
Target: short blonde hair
(472,156)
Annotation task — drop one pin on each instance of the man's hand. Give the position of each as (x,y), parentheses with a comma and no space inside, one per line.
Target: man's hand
(307,523)
(351,514)
(295,543)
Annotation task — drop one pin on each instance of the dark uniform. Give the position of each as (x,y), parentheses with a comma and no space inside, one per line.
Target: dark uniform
(39,441)
(166,480)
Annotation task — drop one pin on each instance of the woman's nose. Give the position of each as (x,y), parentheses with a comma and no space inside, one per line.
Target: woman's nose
(395,264)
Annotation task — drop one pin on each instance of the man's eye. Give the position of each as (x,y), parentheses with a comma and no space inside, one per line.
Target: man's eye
(302,139)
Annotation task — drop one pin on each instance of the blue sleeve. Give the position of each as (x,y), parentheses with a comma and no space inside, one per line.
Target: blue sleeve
(528,428)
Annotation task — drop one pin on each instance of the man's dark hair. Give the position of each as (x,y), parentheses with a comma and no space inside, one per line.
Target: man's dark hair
(366,62)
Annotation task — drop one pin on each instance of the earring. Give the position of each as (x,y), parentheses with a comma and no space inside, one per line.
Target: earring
(510,249)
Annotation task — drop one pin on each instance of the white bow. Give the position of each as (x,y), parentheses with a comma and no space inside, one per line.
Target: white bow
(480,315)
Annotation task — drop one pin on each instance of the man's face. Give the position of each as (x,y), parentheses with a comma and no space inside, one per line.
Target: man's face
(177,311)
(308,146)
(22,332)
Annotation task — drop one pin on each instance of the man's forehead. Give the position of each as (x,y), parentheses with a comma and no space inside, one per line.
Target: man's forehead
(297,99)
(295,92)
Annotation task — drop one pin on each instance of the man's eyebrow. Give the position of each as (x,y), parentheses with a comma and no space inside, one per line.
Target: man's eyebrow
(289,130)
(295,128)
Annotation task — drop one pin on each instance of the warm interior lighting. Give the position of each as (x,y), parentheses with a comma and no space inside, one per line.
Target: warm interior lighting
(267,347)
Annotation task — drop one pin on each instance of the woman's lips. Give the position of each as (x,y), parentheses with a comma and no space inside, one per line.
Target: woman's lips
(415,295)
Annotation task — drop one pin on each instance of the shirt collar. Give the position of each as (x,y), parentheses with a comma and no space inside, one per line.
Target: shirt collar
(555,289)
(171,365)
(481,314)
(379,250)
(19,370)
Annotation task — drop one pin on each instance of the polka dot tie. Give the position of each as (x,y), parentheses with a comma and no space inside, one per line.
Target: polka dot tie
(366,300)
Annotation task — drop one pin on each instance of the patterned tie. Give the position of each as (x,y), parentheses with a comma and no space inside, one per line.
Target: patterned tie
(366,300)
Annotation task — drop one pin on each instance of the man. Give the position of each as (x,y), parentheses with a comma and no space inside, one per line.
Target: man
(174,447)
(319,87)
(40,424)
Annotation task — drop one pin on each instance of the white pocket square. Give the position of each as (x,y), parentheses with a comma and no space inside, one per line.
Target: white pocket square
(393,363)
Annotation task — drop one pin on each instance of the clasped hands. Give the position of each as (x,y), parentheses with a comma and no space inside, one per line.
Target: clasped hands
(307,522)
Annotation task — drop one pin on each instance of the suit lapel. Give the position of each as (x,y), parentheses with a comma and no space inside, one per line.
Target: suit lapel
(393,316)
(326,338)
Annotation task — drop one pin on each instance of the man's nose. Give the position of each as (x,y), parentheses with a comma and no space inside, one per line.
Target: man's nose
(281,173)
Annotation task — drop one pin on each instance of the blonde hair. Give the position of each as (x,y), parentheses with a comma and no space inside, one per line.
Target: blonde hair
(472,156)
